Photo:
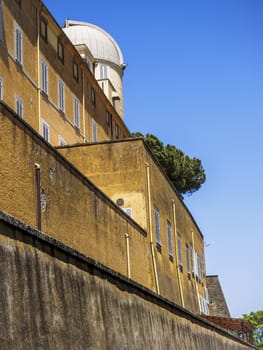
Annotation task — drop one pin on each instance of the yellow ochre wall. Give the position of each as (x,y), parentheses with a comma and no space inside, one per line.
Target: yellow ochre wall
(74,211)
(24,80)
(120,170)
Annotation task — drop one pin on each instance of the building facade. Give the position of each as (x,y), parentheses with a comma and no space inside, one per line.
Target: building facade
(115,204)
(48,83)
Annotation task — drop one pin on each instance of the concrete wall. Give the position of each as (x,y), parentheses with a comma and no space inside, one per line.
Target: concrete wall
(51,297)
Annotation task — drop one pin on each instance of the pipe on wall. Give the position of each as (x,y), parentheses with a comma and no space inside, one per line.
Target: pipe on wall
(194,262)
(38,73)
(176,256)
(150,228)
(127,238)
(83,108)
(38,183)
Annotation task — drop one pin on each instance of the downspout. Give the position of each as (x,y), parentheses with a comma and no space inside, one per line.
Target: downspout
(127,238)
(38,75)
(176,256)
(194,262)
(83,108)
(150,228)
(38,183)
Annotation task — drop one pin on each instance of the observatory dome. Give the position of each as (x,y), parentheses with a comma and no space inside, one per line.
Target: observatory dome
(99,42)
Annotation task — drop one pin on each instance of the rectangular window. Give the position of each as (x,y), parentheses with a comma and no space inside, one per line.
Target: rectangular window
(199,267)
(108,118)
(93,97)
(94,130)
(44,76)
(116,131)
(45,130)
(1,21)
(195,263)
(60,51)
(75,71)
(128,211)
(179,247)
(76,112)
(61,141)
(1,89)
(19,107)
(188,260)
(18,44)
(192,259)
(157,226)
(103,71)
(61,95)
(43,29)
(170,243)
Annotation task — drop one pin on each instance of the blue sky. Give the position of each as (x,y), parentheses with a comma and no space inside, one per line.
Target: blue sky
(195,80)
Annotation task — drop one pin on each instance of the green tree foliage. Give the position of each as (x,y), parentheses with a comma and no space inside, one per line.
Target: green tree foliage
(187,174)
(256,318)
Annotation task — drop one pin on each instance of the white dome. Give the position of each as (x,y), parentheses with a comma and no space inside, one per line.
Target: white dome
(99,42)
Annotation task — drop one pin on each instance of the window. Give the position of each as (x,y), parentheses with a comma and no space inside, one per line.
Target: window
(116,131)
(108,118)
(195,263)
(18,44)
(45,130)
(199,267)
(61,141)
(1,88)
(192,259)
(103,71)
(188,260)
(75,71)
(169,234)
(93,97)
(94,130)
(88,63)
(19,107)
(128,211)
(179,247)
(76,112)
(43,29)
(1,21)
(61,95)
(157,226)
(60,51)
(203,304)
(44,76)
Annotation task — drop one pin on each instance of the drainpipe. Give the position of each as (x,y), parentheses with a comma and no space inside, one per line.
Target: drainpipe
(176,256)
(150,228)
(38,182)
(38,74)
(194,261)
(127,238)
(83,108)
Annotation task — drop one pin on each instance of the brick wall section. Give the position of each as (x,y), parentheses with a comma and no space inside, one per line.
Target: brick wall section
(239,326)
(217,302)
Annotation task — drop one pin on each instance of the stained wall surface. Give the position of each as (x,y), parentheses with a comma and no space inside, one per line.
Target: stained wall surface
(126,170)
(73,210)
(51,297)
